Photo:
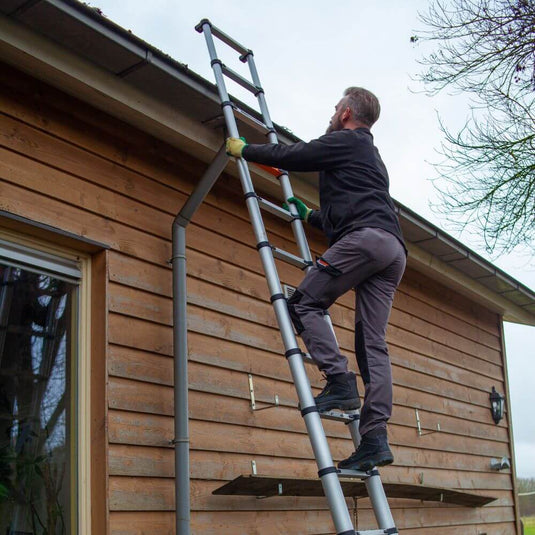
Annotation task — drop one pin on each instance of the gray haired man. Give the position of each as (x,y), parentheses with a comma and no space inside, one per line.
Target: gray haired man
(366,252)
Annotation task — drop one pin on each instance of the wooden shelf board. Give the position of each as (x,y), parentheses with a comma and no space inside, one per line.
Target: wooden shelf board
(265,486)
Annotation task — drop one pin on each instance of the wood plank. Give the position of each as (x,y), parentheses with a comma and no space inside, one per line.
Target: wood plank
(252,284)
(274,523)
(143,523)
(61,155)
(413,342)
(203,499)
(426,289)
(235,356)
(149,494)
(44,107)
(51,212)
(147,367)
(106,136)
(232,277)
(424,310)
(504,498)
(505,528)
(446,516)
(199,320)
(126,300)
(141,461)
(141,494)
(235,384)
(135,460)
(126,331)
(78,129)
(93,198)
(155,308)
(75,130)
(451,372)
(138,335)
(433,450)
(99,448)
(257,485)
(163,523)
(409,322)
(150,430)
(71,160)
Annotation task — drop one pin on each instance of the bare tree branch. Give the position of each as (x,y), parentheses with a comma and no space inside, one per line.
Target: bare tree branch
(487,176)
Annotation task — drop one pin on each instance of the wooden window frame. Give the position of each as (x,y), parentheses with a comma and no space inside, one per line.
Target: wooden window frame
(87,495)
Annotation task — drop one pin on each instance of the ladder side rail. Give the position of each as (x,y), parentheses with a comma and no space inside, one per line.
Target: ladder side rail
(228,114)
(318,439)
(354,431)
(297,224)
(284,179)
(379,501)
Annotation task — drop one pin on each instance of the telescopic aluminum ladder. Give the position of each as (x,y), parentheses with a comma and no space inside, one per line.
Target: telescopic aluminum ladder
(327,472)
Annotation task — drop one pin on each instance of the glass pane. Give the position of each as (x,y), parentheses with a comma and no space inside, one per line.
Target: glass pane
(37,340)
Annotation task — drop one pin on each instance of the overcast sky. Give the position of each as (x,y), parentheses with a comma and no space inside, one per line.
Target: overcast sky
(307,52)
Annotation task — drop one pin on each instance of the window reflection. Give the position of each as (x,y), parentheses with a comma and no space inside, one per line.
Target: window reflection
(37,314)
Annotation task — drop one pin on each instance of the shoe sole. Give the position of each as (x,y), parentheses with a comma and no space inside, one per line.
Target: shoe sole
(380,459)
(346,404)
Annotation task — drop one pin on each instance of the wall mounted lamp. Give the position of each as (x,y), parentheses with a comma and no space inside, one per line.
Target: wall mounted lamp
(497,405)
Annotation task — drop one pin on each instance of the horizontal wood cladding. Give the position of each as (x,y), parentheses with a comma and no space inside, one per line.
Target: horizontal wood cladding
(140,523)
(157,369)
(157,338)
(77,169)
(158,494)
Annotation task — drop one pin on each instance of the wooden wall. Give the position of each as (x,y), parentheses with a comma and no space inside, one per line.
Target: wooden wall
(75,168)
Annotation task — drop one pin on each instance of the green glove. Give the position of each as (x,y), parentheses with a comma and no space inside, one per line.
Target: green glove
(235,146)
(302,209)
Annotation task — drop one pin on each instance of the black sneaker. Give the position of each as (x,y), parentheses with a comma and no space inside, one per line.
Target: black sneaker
(340,392)
(372,451)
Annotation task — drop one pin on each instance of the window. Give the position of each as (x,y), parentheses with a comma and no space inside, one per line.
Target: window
(39,356)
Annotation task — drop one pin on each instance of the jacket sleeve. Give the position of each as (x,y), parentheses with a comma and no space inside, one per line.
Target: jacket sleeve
(326,152)
(314,219)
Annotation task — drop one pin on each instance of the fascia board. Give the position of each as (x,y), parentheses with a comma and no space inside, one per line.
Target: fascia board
(449,276)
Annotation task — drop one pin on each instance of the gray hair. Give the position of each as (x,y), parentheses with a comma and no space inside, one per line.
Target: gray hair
(363,104)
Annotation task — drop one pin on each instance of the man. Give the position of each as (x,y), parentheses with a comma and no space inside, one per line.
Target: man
(366,252)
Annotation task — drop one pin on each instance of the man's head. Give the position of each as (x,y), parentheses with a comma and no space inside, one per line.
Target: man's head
(357,108)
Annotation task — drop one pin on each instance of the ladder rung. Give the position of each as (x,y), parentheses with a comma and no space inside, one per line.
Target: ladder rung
(290,258)
(216,32)
(250,120)
(239,79)
(353,474)
(275,209)
(377,532)
(340,416)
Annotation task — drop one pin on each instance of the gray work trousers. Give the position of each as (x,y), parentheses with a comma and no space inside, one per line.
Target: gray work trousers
(371,261)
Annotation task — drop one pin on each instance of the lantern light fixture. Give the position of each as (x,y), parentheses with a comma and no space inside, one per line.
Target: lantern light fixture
(497,405)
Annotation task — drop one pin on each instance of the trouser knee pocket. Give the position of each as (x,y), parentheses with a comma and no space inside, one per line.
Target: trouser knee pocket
(294,316)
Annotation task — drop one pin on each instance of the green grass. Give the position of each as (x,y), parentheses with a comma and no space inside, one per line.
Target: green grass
(529,525)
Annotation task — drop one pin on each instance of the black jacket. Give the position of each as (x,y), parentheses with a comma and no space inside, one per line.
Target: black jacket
(353,180)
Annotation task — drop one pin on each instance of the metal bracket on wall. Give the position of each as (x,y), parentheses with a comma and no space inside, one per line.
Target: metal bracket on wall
(419,426)
(273,493)
(253,401)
